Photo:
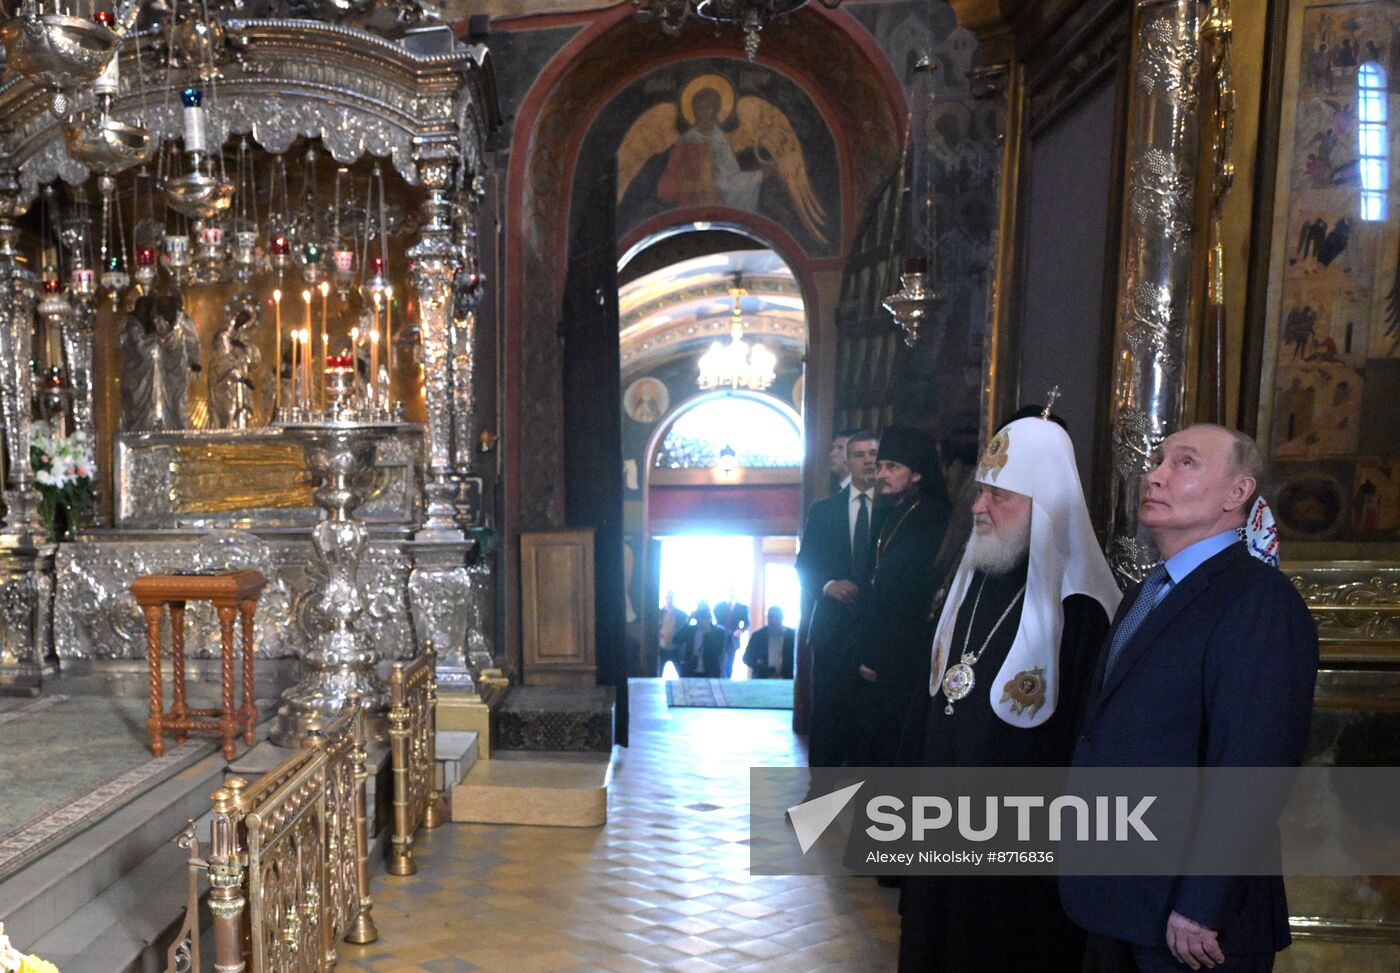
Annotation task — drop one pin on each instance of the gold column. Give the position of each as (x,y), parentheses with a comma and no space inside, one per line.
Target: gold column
(433,816)
(362,930)
(227,866)
(400,724)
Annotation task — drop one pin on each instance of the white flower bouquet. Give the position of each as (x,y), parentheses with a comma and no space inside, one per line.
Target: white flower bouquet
(63,472)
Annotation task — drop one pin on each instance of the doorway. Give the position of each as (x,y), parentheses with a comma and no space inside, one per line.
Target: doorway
(711,468)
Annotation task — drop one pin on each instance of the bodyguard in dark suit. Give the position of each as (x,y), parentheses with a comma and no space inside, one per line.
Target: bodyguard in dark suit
(833,563)
(759,654)
(1211,662)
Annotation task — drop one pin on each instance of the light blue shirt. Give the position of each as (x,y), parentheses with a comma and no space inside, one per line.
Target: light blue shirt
(1189,558)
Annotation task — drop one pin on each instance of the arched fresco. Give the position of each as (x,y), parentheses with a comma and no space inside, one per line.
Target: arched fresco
(719,132)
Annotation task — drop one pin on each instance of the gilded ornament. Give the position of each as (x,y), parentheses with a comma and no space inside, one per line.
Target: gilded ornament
(1026,691)
(994,457)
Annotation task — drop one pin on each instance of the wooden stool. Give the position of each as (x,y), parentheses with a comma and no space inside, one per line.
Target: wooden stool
(234,593)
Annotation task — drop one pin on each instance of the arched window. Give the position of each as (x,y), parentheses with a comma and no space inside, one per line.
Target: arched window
(1374,143)
(748,430)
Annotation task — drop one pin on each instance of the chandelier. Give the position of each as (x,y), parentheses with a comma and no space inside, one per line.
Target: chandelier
(737,364)
(751,16)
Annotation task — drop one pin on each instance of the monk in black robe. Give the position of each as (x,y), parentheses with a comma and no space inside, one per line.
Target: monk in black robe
(893,623)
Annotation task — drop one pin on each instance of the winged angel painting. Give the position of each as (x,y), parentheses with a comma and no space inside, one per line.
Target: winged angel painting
(720,150)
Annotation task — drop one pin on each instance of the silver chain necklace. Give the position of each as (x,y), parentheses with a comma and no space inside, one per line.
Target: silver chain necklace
(959,679)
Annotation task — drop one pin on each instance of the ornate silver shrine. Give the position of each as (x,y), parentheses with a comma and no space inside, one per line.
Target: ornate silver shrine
(423,101)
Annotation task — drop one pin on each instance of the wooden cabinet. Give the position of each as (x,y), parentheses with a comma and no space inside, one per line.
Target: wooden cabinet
(556,607)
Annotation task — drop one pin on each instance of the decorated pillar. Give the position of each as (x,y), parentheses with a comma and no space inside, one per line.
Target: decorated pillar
(17,296)
(436,260)
(26,557)
(1156,280)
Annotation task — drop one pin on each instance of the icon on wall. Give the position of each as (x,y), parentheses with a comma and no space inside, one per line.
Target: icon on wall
(646,399)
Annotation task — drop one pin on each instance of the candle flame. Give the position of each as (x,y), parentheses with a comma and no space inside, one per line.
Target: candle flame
(306,296)
(277,294)
(325,288)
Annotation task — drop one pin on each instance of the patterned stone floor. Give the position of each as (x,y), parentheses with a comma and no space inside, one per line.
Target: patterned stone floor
(664,885)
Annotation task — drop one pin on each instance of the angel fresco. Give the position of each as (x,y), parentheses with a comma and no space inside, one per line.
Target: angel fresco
(724,153)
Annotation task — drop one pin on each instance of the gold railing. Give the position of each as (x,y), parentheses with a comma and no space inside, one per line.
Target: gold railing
(413,756)
(288,862)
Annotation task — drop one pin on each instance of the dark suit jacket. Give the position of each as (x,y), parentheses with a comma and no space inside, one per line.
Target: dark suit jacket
(711,652)
(1220,674)
(825,554)
(756,653)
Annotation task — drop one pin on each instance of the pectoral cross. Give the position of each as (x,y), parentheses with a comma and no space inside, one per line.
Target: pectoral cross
(1052,395)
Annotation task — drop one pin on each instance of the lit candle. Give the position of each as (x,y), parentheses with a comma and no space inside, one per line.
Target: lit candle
(277,394)
(325,339)
(306,352)
(374,362)
(296,373)
(388,337)
(374,354)
(355,359)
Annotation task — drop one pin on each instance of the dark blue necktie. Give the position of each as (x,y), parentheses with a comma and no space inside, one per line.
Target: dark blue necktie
(860,544)
(1148,596)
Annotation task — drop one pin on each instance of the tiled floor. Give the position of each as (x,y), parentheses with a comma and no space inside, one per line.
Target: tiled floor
(664,885)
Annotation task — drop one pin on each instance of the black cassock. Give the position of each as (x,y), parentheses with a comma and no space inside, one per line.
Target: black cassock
(892,628)
(973,924)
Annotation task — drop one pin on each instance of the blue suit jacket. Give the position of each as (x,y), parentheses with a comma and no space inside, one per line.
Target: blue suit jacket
(1220,674)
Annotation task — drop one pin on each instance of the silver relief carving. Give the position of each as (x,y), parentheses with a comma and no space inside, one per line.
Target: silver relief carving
(1161,195)
(1157,270)
(96,618)
(435,263)
(1153,325)
(340,658)
(17,295)
(1169,62)
(357,92)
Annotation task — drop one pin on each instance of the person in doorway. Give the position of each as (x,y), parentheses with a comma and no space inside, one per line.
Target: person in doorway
(892,611)
(733,617)
(770,649)
(672,621)
(1016,640)
(833,564)
(701,644)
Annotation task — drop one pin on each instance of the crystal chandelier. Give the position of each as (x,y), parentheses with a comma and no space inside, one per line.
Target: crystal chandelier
(737,364)
(751,16)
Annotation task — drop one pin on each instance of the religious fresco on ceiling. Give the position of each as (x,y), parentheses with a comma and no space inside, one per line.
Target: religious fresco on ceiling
(1333,369)
(719,133)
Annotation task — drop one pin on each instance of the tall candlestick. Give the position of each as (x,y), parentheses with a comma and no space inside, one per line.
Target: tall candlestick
(277,352)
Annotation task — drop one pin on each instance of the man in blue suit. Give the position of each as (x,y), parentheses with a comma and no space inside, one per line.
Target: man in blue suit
(1211,661)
